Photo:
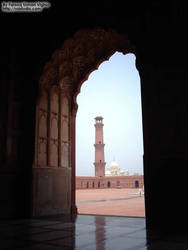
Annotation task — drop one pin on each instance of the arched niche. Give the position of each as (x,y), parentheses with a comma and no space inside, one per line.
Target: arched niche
(41,128)
(42,154)
(65,119)
(54,102)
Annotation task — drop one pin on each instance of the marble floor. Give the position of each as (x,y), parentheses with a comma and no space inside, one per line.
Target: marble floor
(85,232)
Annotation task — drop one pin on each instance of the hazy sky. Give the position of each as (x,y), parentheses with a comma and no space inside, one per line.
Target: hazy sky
(112,91)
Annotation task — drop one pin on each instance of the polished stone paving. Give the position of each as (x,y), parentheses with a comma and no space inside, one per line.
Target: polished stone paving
(86,232)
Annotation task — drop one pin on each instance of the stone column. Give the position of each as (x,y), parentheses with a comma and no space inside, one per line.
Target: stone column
(67,93)
(73,158)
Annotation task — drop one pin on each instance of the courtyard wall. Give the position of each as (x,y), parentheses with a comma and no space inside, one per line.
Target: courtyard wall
(91,182)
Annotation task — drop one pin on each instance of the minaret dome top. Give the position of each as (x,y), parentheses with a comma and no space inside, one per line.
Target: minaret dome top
(98,118)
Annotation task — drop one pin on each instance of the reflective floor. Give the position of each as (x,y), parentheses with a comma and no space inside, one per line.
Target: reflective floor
(85,232)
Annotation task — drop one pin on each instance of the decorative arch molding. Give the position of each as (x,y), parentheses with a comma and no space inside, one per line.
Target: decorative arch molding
(59,85)
(78,56)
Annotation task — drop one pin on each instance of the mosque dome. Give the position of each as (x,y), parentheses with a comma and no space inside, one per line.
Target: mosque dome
(114,165)
(113,169)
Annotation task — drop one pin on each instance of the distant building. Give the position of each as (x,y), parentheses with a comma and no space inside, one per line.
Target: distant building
(114,176)
(115,170)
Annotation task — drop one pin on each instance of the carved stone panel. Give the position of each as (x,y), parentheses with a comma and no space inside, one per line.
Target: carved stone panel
(65,106)
(65,130)
(54,154)
(42,157)
(54,127)
(42,129)
(54,123)
(65,155)
(54,103)
(43,124)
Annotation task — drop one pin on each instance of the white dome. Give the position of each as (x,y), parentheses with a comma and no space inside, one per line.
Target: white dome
(114,164)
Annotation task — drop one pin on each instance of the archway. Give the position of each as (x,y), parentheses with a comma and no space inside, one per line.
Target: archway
(136,184)
(59,85)
(118,185)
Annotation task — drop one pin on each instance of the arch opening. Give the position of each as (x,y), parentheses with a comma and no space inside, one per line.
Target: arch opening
(56,108)
(118,118)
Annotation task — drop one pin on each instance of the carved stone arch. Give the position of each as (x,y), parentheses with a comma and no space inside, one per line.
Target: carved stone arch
(82,54)
(63,74)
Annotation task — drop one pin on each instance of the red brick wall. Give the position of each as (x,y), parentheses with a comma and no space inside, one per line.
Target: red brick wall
(133,181)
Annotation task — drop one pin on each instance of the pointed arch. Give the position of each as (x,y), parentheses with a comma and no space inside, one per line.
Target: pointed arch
(62,77)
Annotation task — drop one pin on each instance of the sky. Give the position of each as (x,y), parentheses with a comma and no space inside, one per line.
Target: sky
(112,91)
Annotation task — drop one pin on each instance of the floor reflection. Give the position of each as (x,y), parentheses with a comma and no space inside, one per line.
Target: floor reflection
(86,232)
(100,223)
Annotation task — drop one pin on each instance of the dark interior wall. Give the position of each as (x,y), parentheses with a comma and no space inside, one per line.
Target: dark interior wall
(164,96)
(157,29)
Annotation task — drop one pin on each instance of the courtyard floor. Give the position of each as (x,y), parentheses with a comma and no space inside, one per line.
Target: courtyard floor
(111,201)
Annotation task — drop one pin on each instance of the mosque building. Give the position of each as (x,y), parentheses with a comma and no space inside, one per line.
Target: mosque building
(114,176)
(115,170)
